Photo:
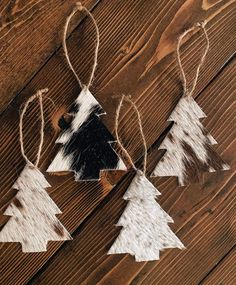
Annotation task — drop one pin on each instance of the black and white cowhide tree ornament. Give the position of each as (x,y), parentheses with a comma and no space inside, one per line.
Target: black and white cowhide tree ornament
(188,145)
(32,212)
(145,230)
(86,144)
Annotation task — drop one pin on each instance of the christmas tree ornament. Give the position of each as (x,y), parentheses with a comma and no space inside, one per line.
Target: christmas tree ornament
(188,145)
(86,146)
(33,220)
(145,230)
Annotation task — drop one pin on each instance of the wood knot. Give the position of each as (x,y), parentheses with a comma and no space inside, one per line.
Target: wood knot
(58,120)
(65,121)
(125,50)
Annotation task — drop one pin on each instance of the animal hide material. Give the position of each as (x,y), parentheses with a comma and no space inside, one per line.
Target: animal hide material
(86,142)
(33,220)
(145,229)
(188,146)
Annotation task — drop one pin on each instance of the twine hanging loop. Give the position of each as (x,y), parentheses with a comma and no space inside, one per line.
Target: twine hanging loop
(38,95)
(79,7)
(202,26)
(128,99)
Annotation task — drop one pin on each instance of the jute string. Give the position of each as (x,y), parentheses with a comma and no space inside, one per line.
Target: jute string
(128,99)
(38,95)
(185,89)
(81,8)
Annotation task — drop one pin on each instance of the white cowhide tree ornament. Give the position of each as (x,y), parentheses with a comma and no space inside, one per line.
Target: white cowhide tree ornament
(86,146)
(145,230)
(188,144)
(33,220)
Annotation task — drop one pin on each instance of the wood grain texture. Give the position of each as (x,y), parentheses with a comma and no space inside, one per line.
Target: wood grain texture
(204,218)
(131,33)
(30,31)
(225,271)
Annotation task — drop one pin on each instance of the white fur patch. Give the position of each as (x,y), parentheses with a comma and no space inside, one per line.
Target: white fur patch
(81,116)
(145,229)
(120,165)
(33,220)
(60,163)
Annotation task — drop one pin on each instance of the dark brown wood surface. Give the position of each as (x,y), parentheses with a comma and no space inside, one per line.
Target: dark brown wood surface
(136,56)
(30,33)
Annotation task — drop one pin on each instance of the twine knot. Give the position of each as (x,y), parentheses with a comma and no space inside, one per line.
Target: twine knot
(201,24)
(79,6)
(40,93)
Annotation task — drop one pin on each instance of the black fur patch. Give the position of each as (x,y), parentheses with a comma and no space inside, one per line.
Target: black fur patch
(91,149)
(88,150)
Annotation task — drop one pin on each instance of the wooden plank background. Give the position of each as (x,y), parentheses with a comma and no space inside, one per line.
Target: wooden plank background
(138,40)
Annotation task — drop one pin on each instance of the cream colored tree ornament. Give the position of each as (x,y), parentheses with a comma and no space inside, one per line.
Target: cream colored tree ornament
(32,213)
(188,145)
(33,220)
(145,230)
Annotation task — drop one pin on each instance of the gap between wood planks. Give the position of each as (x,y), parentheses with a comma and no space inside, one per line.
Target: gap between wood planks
(218,264)
(138,162)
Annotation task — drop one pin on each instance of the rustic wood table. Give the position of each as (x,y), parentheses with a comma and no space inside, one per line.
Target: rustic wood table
(136,57)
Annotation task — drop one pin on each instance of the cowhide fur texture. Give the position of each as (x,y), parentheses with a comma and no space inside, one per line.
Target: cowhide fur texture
(33,220)
(86,142)
(188,146)
(145,229)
